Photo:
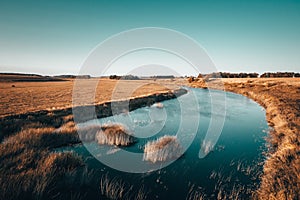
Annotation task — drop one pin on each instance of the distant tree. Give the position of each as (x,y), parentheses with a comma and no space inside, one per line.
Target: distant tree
(253,75)
(114,77)
(231,75)
(265,75)
(215,75)
(83,76)
(191,79)
(238,75)
(163,77)
(278,75)
(130,77)
(200,76)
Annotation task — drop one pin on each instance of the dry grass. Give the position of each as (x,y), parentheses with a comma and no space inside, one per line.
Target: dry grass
(35,96)
(281,178)
(112,188)
(195,194)
(28,167)
(163,149)
(117,189)
(88,134)
(114,134)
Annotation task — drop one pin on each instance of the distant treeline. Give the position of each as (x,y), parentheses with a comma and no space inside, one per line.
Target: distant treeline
(19,74)
(229,75)
(163,77)
(21,77)
(280,74)
(74,76)
(132,77)
(249,75)
(126,77)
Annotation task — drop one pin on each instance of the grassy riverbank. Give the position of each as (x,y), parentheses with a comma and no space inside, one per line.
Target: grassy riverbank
(281,99)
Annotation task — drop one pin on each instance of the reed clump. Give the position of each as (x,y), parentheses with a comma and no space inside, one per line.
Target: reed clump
(163,149)
(114,134)
(117,189)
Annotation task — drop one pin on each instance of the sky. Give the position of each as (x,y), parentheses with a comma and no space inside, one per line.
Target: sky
(57,36)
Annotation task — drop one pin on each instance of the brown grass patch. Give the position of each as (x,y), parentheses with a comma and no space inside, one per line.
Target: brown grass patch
(30,170)
(117,189)
(114,134)
(163,149)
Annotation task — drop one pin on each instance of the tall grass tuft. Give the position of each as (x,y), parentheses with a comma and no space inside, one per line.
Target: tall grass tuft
(114,134)
(117,189)
(195,194)
(112,188)
(88,133)
(163,149)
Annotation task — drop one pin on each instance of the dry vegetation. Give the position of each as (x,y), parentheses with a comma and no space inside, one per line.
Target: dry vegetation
(30,170)
(117,189)
(108,134)
(114,134)
(281,99)
(163,149)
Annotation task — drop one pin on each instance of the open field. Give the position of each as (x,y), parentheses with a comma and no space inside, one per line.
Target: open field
(27,97)
(281,99)
(36,117)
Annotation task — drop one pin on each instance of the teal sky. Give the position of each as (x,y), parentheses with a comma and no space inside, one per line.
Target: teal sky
(55,37)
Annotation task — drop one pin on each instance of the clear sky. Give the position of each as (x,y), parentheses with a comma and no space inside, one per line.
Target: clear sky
(55,37)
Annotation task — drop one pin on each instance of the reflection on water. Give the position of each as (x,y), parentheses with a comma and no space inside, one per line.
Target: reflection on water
(230,167)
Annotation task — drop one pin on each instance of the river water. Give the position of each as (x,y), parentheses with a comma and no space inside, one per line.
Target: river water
(222,135)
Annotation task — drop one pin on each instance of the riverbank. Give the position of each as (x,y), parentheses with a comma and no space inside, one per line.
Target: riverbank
(24,97)
(281,99)
(53,107)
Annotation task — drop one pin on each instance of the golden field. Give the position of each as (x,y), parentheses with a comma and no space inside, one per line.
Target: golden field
(29,96)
